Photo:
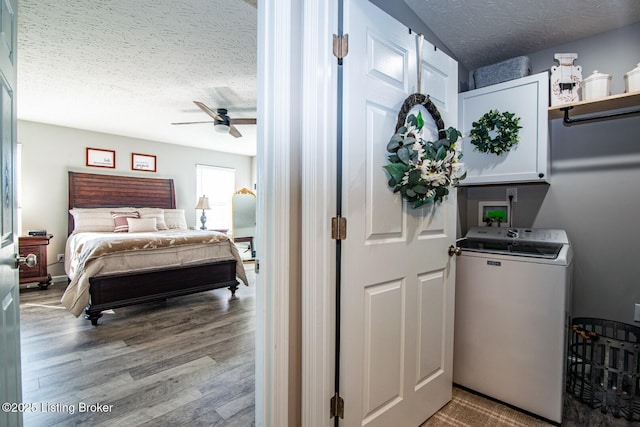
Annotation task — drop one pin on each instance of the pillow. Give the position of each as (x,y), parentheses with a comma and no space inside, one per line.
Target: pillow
(140,225)
(120,220)
(94,219)
(156,213)
(175,219)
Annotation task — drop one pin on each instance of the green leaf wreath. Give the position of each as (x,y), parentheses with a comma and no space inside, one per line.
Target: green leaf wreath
(495,132)
(420,170)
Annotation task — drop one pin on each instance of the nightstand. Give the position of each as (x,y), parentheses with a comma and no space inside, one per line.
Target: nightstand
(36,245)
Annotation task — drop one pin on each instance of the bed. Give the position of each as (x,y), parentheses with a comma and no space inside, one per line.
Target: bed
(108,269)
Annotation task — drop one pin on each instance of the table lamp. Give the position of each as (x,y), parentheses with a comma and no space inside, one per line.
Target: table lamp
(203,203)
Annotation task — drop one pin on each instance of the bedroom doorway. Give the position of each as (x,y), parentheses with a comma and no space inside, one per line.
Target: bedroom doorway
(284,298)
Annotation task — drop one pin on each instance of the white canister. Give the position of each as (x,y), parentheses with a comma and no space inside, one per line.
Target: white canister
(597,85)
(632,80)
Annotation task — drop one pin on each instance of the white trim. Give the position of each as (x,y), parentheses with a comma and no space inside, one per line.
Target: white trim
(290,66)
(277,209)
(318,206)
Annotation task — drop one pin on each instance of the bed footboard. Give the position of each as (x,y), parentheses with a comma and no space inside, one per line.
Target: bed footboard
(126,289)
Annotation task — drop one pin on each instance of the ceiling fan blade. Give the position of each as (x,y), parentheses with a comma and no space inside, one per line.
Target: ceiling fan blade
(208,110)
(233,131)
(190,123)
(242,121)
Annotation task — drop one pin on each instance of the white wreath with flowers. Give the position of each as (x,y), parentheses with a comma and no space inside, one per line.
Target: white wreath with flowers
(422,171)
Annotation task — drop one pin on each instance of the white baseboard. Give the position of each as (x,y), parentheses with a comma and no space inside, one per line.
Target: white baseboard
(61,278)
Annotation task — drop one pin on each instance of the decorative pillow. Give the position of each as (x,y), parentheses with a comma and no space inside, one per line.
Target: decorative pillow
(120,220)
(156,213)
(141,225)
(175,219)
(94,219)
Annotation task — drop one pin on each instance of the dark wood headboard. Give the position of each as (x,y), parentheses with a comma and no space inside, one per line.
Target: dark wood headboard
(88,190)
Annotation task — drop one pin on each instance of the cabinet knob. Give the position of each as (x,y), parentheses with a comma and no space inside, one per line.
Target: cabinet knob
(30,260)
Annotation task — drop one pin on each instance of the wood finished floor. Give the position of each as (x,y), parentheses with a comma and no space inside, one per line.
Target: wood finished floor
(186,361)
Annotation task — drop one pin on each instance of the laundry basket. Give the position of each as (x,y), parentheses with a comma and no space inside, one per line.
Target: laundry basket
(603,366)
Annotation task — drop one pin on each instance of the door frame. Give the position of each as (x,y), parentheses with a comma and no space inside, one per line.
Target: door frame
(319,166)
(278,228)
(296,174)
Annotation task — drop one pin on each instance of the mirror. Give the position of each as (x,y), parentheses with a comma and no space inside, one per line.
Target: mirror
(243,206)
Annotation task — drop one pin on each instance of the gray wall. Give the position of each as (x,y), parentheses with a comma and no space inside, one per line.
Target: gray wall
(49,152)
(594,192)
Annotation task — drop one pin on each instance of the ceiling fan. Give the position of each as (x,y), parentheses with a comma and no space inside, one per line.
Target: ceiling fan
(222,122)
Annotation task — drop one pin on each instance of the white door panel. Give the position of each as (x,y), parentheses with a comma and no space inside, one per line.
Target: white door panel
(397,278)
(388,222)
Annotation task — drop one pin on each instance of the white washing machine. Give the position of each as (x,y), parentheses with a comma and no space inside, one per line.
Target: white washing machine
(513,302)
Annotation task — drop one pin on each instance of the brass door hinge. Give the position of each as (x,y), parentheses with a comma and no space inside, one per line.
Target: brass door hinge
(337,406)
(338,228)
(340,46)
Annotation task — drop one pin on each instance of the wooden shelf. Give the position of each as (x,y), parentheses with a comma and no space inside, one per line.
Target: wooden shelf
(612,102)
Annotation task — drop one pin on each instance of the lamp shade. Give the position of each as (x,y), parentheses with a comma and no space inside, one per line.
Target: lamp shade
(203,203)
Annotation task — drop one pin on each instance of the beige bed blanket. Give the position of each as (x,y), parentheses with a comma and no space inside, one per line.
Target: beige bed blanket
(92,254)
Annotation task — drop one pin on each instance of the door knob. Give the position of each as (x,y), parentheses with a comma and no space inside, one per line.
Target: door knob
(29,260)
(454,250)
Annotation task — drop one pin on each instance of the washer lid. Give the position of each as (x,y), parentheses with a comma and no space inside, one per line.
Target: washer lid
(514,247)
(520,234)
(531,242)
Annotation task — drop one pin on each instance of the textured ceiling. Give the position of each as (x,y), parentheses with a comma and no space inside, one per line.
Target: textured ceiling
(132,67)
(485,32)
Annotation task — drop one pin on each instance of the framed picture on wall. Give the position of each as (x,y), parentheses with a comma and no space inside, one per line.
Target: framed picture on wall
(101,158)
(143,162)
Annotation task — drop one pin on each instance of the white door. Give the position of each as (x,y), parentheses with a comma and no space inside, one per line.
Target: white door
(398,279)
(10,383)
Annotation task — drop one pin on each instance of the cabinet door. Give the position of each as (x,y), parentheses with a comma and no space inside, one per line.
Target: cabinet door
(528,98)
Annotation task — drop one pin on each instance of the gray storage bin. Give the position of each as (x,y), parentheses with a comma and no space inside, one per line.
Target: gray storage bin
(510,69)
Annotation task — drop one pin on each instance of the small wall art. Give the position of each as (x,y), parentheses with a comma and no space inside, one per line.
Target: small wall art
(143,162)
(101,158)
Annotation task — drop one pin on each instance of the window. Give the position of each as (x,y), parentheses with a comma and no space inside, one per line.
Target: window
(218,184)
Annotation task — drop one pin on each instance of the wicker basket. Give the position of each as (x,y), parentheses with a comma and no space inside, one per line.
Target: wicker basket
(603,366)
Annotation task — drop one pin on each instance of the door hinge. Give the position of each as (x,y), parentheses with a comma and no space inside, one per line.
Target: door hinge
(338,228)
(337,406)
(340,46)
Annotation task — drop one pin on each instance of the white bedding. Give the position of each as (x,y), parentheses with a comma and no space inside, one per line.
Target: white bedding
(80,266)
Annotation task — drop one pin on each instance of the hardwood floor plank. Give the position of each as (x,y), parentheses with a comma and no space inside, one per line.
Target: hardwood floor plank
(220,392)
(41,364)
(236,406)
(246,418)
(179,357)
(161,408)
(101,392)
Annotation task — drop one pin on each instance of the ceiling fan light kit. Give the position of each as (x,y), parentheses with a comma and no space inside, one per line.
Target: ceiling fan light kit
(221,128)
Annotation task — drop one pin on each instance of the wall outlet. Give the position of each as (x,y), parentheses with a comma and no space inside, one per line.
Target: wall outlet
(636,313)
(512,191)
(60,258)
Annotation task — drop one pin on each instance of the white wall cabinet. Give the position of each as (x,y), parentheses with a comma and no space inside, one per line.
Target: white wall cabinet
(528,98)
